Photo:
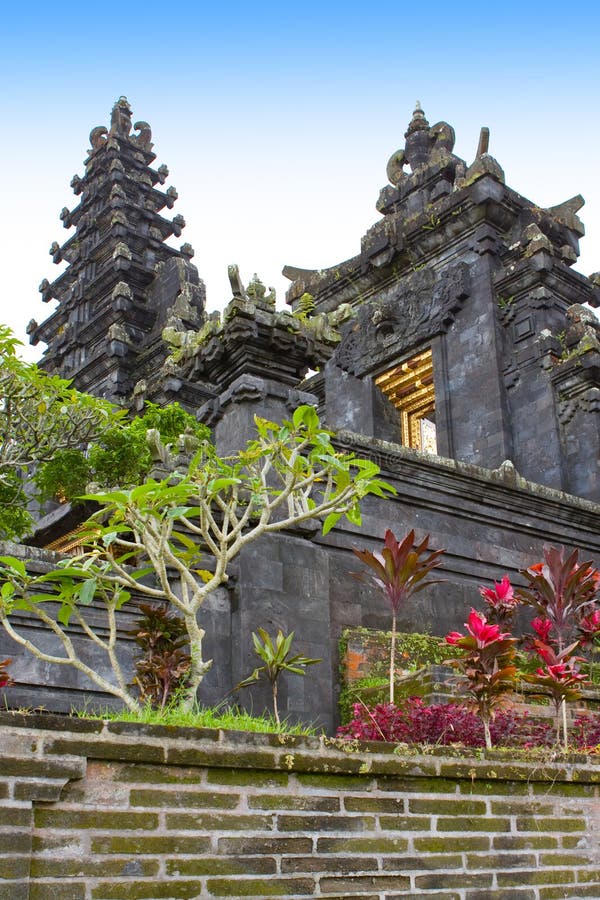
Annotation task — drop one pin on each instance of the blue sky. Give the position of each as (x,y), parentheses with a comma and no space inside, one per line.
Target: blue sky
(277,121)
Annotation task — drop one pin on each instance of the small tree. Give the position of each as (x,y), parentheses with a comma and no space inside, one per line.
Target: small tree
(183,532)
(487,664)
(277,659)
(400,570)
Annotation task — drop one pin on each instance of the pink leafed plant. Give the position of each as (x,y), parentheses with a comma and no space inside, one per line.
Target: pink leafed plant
(487,664)
(501,601)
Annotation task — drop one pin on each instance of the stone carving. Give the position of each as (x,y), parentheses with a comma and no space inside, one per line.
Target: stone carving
(144,138)
(583,330)
(120,119)
(413,311)
(422,144)
(98,137)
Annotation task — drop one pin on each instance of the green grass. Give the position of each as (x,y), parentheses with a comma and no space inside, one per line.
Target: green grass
(201,717)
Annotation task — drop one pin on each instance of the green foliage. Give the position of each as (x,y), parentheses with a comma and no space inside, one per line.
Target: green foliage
(211,507)
(121,457)
(277,658)
(203,717)
(40,416)
(64,477)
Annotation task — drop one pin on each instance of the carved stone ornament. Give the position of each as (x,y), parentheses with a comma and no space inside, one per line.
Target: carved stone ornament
(412,312)
(423,143)
(120,119)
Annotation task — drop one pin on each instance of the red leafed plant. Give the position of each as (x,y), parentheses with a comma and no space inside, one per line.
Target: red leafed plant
(501,601)
(164,667)
(5,679)
(487,664)
(447,723)
(562,591)
(564,594)
(560,677)
(400,570)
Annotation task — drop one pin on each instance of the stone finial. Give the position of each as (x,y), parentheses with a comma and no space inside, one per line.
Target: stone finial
(237,287)
(418,121)
(424,145)
(583,329)
(120,118)
(484,141)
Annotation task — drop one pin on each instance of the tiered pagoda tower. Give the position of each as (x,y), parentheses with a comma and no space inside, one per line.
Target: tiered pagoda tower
(123,284)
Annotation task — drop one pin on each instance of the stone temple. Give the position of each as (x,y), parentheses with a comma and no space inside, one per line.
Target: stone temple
(457,349)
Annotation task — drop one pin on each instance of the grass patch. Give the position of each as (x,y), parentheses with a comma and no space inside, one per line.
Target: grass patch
(202,717)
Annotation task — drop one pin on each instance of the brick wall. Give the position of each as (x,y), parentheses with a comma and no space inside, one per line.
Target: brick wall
(95,811)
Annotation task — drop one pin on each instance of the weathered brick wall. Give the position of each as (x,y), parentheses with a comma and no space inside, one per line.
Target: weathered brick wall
(92,811)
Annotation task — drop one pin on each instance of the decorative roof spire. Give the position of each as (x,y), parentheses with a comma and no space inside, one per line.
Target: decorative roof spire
(418,121)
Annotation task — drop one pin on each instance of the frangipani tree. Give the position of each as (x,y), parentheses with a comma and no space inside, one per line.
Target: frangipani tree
(40,415)
(182,533)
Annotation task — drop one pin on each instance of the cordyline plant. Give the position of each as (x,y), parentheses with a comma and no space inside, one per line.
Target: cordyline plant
(181,534)
(487,664)
(162,669)
(564,594)
(501,602)
(5,679)
(277,659)
(400,570)
(560,677)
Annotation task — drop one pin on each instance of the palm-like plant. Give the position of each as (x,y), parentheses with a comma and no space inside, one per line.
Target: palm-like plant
(277,659)
(400,570)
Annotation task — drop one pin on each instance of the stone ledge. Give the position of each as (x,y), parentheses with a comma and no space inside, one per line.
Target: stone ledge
(57,741)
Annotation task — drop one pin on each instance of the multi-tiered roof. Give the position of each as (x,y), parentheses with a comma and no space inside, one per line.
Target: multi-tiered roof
(122,279)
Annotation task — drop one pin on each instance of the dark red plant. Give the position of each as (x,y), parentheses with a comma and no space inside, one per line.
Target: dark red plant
(5,679)
(560,678)
(562,592)
(487,664)
(400,570)
(442,725)
(164,667)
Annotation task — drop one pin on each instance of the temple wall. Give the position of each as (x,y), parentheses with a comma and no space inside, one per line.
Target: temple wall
(98,811)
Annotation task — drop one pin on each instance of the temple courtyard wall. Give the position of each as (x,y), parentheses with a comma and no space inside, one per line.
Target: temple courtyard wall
(109,811)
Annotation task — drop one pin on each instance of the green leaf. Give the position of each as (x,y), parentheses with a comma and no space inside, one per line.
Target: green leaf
(64,614)
(87,591)
(305,416)
(331,520)
(353,515)
(13,563)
